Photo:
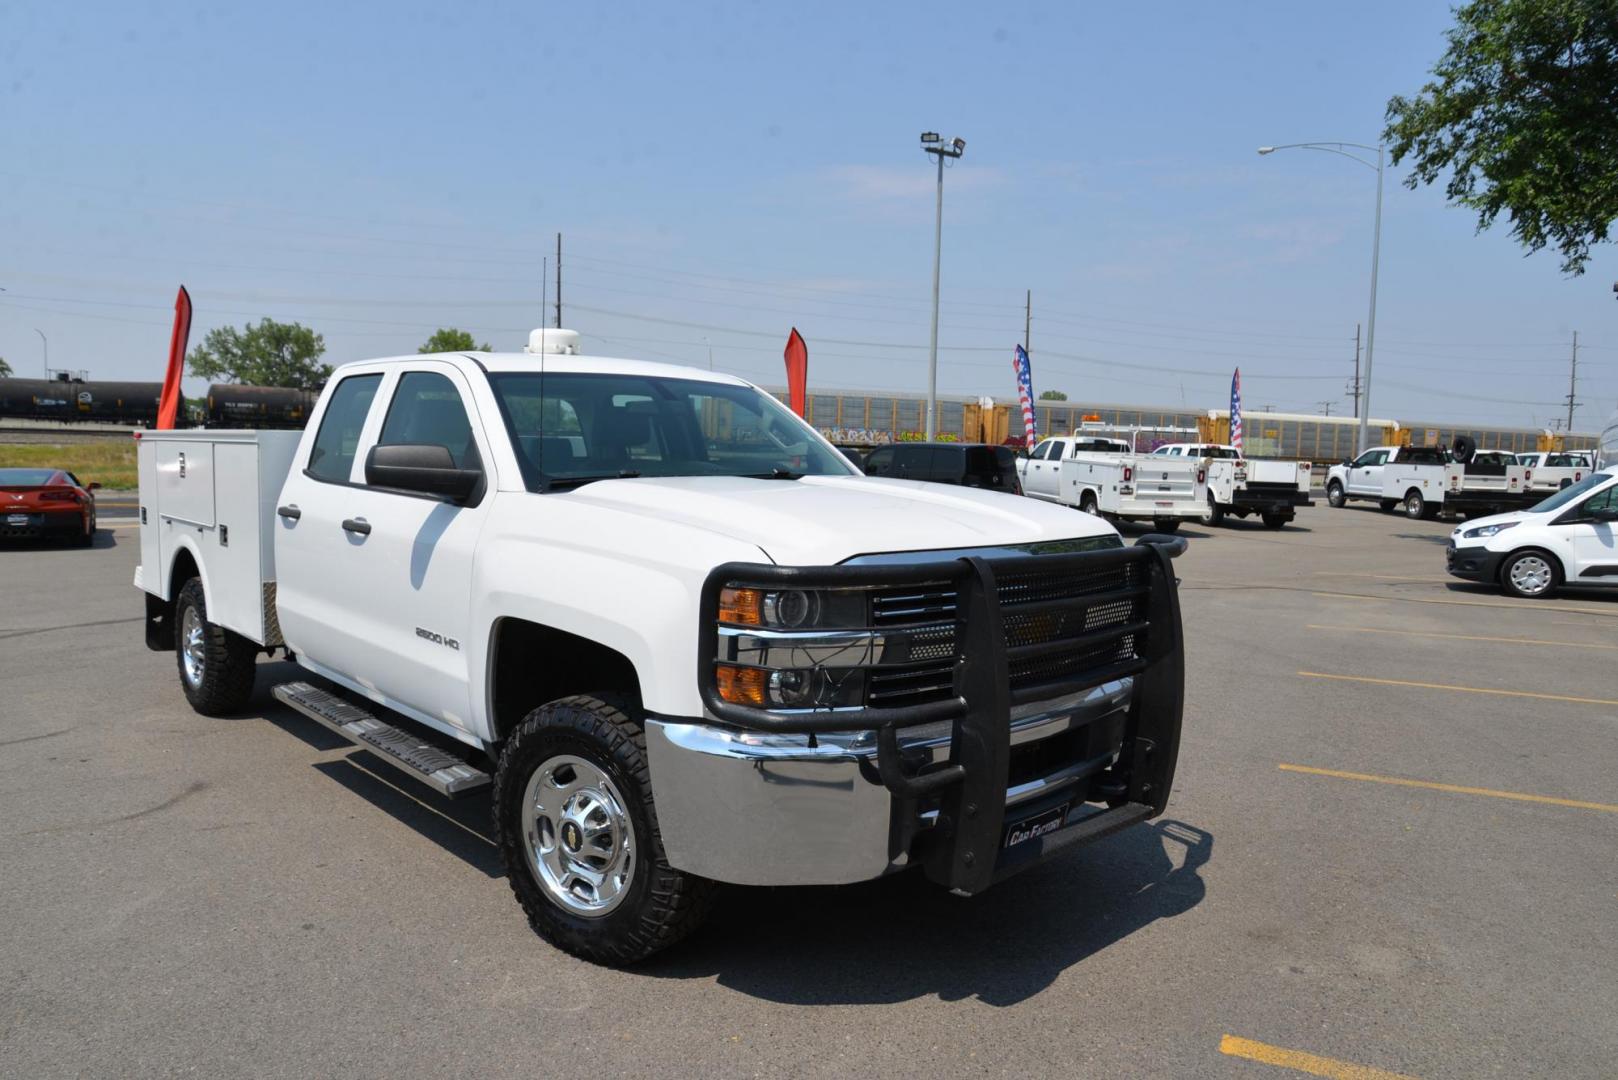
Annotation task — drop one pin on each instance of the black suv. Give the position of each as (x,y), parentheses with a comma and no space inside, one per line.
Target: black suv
(968,464)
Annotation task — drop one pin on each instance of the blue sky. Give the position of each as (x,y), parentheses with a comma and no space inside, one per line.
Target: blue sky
(722,172)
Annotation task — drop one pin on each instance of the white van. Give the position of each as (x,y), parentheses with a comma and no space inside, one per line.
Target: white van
(1570,538)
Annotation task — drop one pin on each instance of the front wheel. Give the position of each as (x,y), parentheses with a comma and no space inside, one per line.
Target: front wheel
(1335,496)
(216,665)
(1531,575)
(575,824)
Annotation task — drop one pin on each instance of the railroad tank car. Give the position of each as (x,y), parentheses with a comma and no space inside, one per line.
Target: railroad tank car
(69,400)
(240,405)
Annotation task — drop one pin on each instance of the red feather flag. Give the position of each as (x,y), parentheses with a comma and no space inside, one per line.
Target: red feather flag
(168,406)
(797,358)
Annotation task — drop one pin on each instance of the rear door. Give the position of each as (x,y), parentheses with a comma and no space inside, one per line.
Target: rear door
(314,556)
(879,462)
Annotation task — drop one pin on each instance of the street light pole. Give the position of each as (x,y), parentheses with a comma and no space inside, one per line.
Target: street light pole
(932,143)
(46,345)
(1364,403)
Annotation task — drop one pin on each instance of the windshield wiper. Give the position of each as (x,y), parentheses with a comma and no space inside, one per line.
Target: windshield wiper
(776,473)
(562,483)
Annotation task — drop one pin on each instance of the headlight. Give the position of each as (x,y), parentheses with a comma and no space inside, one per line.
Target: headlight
(792,609)
(794,648)
(1485,531)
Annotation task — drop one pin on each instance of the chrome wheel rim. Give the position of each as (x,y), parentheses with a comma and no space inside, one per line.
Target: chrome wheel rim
(1414,506)
(1531,574)
(193,650)
(578,836)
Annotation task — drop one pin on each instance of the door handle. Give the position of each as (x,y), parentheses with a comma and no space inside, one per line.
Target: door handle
(357,525)
(291,513)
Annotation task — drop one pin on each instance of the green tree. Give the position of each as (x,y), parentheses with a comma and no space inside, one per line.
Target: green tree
(268,354)
(5,369)
(1523,116)
(451,340)
(1052,395)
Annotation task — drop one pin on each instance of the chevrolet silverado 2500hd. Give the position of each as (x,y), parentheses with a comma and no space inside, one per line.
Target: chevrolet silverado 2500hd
(681,639)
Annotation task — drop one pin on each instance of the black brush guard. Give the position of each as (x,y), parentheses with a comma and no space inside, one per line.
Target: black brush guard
(962,851)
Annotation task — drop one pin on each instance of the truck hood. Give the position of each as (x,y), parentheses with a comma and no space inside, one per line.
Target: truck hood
(822,520)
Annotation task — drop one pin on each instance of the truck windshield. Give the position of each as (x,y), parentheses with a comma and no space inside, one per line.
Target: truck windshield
(572,427)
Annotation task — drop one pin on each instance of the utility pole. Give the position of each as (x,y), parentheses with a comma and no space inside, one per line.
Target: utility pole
(941,148)
(558,281)
(1356,371)
(1028,323)
(1573,382)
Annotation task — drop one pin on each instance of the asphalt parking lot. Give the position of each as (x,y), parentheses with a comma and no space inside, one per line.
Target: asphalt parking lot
(1390,847)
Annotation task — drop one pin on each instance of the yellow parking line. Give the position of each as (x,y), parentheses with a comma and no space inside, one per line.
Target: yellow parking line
(1454,789)
(1461,637)
(1459,689)
(1299,1061)
(1534,606)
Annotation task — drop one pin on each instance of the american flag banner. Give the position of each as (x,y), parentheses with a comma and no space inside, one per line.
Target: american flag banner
(1236,410)
(1025,393)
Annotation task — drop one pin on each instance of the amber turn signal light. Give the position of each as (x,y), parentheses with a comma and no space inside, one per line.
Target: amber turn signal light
(741,686)
(741,607)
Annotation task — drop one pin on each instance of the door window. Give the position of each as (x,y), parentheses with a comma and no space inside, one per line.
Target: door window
(332,457)
(427,411)
(879,462)
(1603,500)
(1371,457)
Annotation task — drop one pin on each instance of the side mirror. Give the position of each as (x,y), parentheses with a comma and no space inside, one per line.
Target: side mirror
(94,485)
(1607,514)
(423,468)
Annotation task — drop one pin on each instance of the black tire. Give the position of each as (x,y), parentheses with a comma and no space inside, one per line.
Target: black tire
(1388,505)
(224,682)
(1166,525)
(660,905)
(1215,514)
(1335,496)
(88,537)
(1508,580)
(1087,502)
(1275,521)
(1415,505)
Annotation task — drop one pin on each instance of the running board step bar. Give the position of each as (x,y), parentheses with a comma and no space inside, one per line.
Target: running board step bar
(444,772)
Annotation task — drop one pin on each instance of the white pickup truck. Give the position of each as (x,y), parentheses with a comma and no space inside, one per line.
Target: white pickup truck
(1106,477)
(1427,481)
(1552,471)
(675,634)
(1238,485)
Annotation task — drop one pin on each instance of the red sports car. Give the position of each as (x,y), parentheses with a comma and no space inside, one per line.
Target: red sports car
(47,503)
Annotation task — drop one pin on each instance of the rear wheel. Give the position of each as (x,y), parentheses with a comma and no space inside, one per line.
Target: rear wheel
(1215,514)
(88,536)
(575,824)
(1335,496)
(1167,525)
(216,665)
(1275,521)
(1531,575)
(1087,502)
(1415,505)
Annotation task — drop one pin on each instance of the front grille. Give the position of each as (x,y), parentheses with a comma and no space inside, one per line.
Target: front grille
(1037,609)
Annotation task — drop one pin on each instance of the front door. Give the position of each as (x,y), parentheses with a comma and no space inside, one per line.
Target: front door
(1365,477)
(1044,475)
(1591,546)
(413,578)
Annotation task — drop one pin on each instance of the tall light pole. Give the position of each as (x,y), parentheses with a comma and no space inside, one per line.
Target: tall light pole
(1376,250)
(941,148)
(46,345)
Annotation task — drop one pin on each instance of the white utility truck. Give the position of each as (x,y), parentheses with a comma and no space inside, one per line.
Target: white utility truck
(1427,481)
(1553,470)
(1106,477)
(673,633)
(1238,485)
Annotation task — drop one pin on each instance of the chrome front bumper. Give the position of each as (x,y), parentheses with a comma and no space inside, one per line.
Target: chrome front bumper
(763,809)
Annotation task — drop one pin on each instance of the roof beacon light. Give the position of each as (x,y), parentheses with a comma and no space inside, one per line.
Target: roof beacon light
(553,342)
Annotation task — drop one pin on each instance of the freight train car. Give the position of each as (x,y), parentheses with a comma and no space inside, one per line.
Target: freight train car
(70,400)
(234,405)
